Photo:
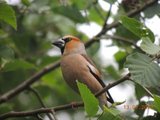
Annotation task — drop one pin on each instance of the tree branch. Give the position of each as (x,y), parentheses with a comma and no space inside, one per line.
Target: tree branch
(24,85)
(38,96)
(35,92)
(126,77)
(107,17)
(8,95)
(123,39)
(116,23)
(62,107)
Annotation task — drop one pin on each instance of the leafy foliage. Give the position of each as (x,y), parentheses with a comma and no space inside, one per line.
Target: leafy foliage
(111,114)
(17,64)
(90,101)
(7,15)
(120,58)
(6,53)
(71,12)
(156,103)
(139,91)
(27,49)
(143,70)
(149,47)
(112,71)
(136,27)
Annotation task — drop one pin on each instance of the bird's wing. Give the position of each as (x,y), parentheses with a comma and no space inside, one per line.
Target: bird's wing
(94,70)
(97,75)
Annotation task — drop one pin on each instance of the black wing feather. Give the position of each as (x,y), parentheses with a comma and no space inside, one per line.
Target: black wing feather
(110,99)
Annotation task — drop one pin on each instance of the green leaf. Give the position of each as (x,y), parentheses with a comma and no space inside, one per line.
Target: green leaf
(7,14)
(93,49)
(143,70)
(72,12)
(152,10)
(111,114)
(5,107)
(6,55)
(95,16)
(52,79)
(112,71)
(90,101)
(123,31)
(6,52)
(139,91)
(82,4)
(156,103)
(148,47)
(17,64)
(120,58)
(3,34)
(136,27)
(25,2)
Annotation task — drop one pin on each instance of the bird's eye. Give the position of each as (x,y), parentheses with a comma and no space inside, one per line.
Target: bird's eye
(66,39)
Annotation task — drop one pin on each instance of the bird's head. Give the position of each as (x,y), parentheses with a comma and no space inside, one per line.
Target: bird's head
(70,44)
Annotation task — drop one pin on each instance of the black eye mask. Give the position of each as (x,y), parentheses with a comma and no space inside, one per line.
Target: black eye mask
(61,43)
(66,39)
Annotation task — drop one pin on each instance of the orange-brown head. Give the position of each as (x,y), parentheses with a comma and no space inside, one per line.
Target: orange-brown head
(70,45)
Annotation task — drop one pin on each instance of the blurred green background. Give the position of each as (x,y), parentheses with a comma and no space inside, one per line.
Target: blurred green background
(26,48)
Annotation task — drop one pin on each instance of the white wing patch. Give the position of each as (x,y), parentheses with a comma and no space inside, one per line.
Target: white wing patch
(93,69)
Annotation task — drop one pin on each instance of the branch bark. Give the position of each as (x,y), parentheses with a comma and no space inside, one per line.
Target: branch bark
(116,23)
(24,85)
(10,94)
(51,115)
(123,39)
(62,107)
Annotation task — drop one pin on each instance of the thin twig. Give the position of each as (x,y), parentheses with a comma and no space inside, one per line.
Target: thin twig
(129,14)
(126,77)
(50,116)
(107,17)
(123,39)
(24,85)
(62,107)
(40,111)
(13,92)
(39,117)
(37,95)
(147,91)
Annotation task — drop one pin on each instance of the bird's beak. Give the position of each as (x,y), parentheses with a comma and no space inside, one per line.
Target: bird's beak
(59,43)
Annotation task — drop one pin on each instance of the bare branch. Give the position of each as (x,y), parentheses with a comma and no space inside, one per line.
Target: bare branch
(24,85)
(8,95)
(116,23)
(40,111)
(123,39)
(62,107)
(126,77)
(107,17)
(35,92)
(50,116)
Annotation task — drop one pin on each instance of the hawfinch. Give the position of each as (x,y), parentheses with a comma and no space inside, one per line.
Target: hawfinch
(76,65)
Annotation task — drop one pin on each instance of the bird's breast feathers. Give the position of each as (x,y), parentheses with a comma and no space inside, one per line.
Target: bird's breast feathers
(77,67)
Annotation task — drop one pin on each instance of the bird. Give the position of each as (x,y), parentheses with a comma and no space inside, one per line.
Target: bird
(76,65)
